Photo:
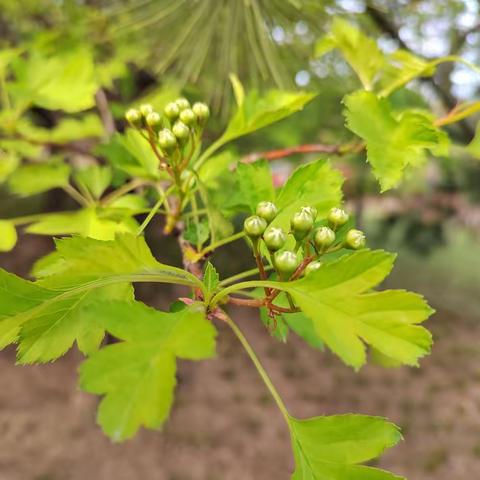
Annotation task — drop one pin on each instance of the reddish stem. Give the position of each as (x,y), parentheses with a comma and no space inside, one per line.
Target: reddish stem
(307,148)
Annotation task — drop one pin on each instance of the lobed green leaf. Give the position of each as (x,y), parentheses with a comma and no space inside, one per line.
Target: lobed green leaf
(394,142)
(333,447)
(137,375)
(345,313)
(46,317)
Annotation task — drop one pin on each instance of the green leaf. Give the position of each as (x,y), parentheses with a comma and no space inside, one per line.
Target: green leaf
(360,51)
(9,161)
(137,375)
(304,328)
(334,447)
(238,90)
(258,111)
(213,172)
(38,178)
(402,67)
(219,226)
(316,184)
(65,81)
(197,233)
(394,142)
(210,279)
(67,130)
(345,312)
(46,322)
(101,224)
(298,322)
(20,148)
(78,261)
(8,236)
(94,179)
(255,183)
(47,316)
(132,154)
(277,328)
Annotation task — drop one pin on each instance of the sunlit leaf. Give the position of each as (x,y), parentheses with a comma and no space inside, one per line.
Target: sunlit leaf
(394,141)
(346,314)
(46,317)
(37,178)
(61,82)
(334,447)
(8,235)
(137,375)
(360,51)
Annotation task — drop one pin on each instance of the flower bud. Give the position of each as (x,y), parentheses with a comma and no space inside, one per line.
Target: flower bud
(337,217)
(355,239)
(182,103)
(254,226)
(167,140)
(324,237)
(301,224)
(311,211)
(274,239)
(171,111)
(202,112)
(286,262)
(267,210)
(145,109)
(153,120)
(134,117)
(312,267)
(181,131)
(188,117)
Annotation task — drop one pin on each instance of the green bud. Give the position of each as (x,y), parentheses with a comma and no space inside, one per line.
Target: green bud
(355,239)
(182,103)
(324,237)
(167,140)
(311,211)
(181,131)
(267,210)
(188,117)
(312,267)
(337,217)
(286,262)
(145,109)
(275,239)
(254,226)
(202,112)
(153,120)
(301,224)
(133,116)
(171,111)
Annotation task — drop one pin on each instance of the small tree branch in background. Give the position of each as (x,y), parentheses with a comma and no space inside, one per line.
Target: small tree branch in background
(449,101)
(105,113)
(340,149)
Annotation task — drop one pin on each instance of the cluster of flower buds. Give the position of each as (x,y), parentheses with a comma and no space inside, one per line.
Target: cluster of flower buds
(302,226)
(174,127)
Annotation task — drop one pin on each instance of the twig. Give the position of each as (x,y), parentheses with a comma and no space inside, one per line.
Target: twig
(76,195)
(105,113)
(127,187)
(338,149)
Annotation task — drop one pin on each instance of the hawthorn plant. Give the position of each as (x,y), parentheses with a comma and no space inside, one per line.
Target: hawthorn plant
(312,274)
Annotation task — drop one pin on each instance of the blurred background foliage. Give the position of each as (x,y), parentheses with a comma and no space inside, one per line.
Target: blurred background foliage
(69,69)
